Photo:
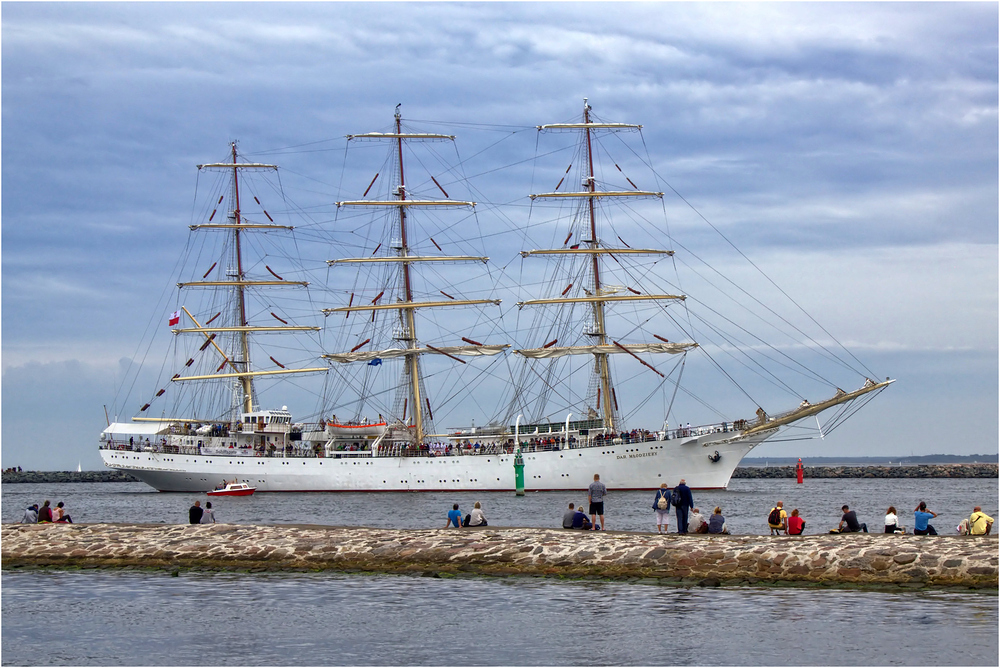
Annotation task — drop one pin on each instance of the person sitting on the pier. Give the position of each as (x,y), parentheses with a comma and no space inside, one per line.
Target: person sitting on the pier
(892,521)
(59,514)
(777,519)
(979,522)
(568,517)
(45,512)
(580,519)
(849,522)
(795,523)
(921,517)
(476,517)
(717,523)
(696,522)
(31,514)
(454,517)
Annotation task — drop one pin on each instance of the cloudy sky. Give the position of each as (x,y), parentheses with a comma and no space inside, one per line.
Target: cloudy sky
(850,150)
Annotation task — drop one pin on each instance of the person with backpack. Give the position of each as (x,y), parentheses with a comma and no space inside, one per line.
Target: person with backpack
(682,500)
(979,522)
(777,519)
(661,504)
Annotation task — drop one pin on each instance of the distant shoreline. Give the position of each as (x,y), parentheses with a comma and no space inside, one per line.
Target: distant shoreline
(741,473)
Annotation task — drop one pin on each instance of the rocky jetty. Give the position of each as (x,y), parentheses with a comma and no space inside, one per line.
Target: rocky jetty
(108,475)
(840,560)
(921,471)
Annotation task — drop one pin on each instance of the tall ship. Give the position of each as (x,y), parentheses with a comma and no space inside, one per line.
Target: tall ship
(594,336)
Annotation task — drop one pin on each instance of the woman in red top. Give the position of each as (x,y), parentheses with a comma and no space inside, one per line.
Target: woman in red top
(795,524)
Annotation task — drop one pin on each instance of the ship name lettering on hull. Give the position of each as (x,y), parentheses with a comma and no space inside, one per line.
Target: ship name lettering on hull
(637,454)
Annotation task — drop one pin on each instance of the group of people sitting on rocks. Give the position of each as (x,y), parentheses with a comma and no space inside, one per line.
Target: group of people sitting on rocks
(46,514)
(779,521)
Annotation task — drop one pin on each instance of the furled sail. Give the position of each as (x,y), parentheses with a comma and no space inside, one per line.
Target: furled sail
(465,351)
(561,351)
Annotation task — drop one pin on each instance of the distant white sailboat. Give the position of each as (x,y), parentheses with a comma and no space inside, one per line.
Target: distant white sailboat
(79,467)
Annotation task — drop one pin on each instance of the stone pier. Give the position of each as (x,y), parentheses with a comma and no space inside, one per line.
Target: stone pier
(834,559)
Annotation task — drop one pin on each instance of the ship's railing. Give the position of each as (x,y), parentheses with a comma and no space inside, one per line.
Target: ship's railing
(290,451)
(405,449)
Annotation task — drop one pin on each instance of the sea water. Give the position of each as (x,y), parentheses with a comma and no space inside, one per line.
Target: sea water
(104,618)
(745,504)
(109,617)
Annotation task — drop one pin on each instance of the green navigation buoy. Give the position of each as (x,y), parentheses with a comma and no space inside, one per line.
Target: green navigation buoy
(518,473)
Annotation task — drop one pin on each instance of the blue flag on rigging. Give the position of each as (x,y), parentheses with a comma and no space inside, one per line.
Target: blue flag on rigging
(375,362)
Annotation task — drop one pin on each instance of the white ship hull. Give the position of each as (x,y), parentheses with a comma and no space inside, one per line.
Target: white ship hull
(623,466)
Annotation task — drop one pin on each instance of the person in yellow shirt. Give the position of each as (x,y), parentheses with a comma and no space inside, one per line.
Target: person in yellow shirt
(979,522)
(777,519)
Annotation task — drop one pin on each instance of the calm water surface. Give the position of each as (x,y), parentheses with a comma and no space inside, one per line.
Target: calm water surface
(745,504)
(129,618)
(134,618)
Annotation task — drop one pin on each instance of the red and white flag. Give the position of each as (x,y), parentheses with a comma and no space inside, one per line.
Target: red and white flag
(175,318)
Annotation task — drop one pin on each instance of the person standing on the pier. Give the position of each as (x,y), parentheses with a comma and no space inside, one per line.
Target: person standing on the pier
(921,517)
(661,504)
(979,522)
(682,499)
(195,512)
(596,499)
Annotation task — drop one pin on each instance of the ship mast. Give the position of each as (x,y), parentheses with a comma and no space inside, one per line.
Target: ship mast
(608,409)
(238,282)
(245,381)
(406,314)
(599,295)
(416,405)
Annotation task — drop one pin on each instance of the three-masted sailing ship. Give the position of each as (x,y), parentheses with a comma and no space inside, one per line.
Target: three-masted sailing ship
(383,435)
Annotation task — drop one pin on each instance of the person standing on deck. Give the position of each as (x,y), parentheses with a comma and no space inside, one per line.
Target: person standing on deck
(682,500)
(596,499)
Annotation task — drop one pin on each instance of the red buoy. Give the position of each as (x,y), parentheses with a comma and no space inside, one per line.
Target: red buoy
(798,472)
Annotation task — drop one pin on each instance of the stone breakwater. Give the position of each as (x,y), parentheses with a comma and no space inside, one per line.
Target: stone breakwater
(866,559)
(920,471)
